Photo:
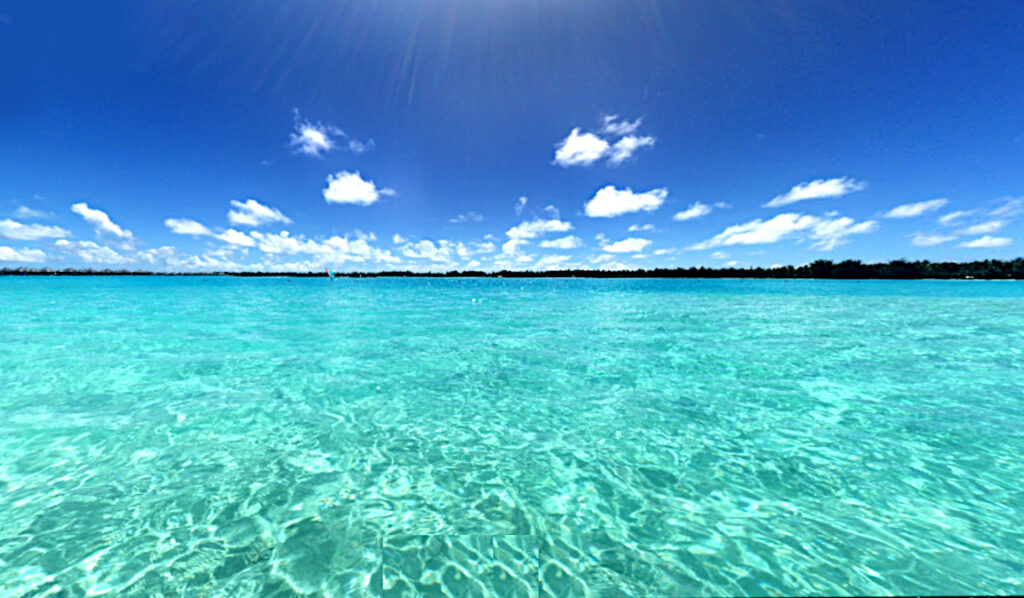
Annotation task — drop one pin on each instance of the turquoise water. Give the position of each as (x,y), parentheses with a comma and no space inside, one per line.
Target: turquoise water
(281,437)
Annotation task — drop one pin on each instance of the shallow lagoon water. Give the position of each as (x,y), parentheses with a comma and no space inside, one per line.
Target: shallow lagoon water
(472,437)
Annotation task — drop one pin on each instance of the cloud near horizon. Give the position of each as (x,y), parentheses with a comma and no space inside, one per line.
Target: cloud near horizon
(825,234)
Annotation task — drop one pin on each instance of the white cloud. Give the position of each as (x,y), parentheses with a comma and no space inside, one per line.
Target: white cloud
(100,221)
(640,227)
(282,242)
(816,189)
(467,217)
(825,233)
(697,210)
(1011,207)
(10,254)
(929,240)
(627,146)
(952,217)
(520,204)
(551,262)
(829,234)
(552,212)
(984,228)
(398,239)
(314,139)
(12,229)
(609,202)
(570,242)
(536,227)
(333,250)
(440,252)
(511,247)
(27,212)
(611,125)
(253,213)
(630,245)
(988,242)
(720,255)
(909,210)
(235,237)
(580,149)
(92,253)
(351,188)
(358,147)
(184,226)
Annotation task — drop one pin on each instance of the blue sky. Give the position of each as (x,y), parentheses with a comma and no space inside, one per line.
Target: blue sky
(387,134)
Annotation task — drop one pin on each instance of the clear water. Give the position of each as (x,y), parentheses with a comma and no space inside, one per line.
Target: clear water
(280,437)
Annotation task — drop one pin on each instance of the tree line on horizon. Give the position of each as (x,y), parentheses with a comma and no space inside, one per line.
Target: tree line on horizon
(847,269)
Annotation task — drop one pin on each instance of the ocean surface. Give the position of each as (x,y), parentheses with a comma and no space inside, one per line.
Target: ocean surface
(211,436)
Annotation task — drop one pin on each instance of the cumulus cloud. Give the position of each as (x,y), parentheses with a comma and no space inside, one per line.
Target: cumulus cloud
(236,237)
(351,188)
(630,245)
(533,228)
(12,229)
(585,148)
(442,251)
(398,239)
(580,149)
(910,210)
(520,205)
(720,255)
(27,212)
(253,213)
(627,146)
(467,217)
(984,228)
(611,125)
(825,233)
(696,210)
(987,241)
(100,221)
(569,242)
(551,262)
(816,189)
(10,254)
(929,239)
(829,234)
(640,227)
(313,139)
(184,226)
(609,202)
(92,253)
(333,250)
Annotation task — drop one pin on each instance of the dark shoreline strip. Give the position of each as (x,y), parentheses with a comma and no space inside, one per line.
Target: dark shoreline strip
(849,269)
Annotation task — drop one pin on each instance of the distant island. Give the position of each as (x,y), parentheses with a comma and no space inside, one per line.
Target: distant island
(848,269)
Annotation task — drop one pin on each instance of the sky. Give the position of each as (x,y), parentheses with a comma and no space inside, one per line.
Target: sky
(367,135)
